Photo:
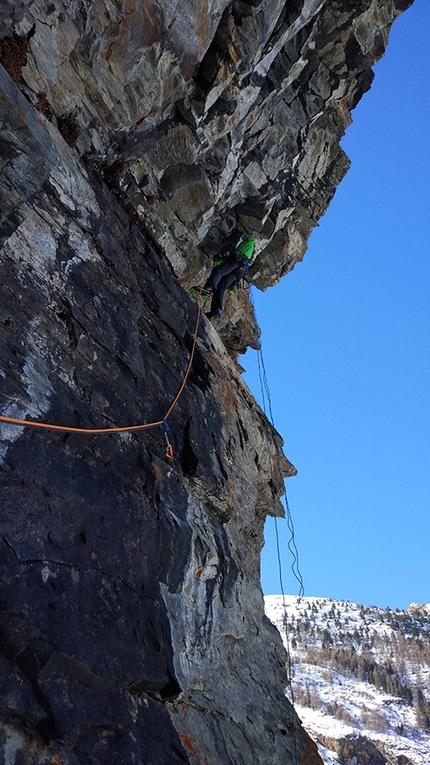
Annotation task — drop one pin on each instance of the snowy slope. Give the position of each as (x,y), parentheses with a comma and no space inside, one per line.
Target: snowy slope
(360,678)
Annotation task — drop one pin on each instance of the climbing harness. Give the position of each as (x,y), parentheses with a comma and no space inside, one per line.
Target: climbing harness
(126,428)
(265,396)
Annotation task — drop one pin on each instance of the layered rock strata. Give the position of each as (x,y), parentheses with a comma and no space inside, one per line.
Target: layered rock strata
(138,139)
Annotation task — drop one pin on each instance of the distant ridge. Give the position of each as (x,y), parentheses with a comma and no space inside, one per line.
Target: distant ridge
(361,678)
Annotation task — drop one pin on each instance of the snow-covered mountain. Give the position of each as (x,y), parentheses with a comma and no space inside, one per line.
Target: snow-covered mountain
(360,678)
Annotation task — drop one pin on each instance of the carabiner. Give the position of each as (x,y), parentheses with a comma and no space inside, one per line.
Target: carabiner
(169,447)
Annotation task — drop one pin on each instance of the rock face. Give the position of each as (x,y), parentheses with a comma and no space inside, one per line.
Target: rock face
(138,139)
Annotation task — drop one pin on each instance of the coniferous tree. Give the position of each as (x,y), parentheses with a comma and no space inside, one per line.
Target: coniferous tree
(422,710)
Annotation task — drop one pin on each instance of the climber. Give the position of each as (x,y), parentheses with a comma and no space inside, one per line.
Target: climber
(226,273)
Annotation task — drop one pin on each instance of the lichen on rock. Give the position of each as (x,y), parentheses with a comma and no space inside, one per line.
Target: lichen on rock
(138,141)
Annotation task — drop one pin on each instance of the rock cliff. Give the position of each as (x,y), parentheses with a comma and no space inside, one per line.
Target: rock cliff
(139,138)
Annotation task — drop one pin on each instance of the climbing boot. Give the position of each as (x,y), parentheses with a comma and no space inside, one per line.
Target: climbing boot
(214,316)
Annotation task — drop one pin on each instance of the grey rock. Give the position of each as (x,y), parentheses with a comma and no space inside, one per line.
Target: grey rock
(27,155)
(139,140)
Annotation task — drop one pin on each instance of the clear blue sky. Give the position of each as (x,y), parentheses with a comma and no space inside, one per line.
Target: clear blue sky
(346,344)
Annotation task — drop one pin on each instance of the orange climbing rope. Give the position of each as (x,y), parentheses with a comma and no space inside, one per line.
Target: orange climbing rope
(122,429)
(69,429)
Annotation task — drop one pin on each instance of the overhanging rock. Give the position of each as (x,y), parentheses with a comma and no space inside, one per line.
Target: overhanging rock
(138,140)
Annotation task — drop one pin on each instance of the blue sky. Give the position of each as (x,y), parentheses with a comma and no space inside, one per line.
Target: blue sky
(346,344)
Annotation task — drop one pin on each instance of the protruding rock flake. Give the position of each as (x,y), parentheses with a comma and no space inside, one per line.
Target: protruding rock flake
(139,140)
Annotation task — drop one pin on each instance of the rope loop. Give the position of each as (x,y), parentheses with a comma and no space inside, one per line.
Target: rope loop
(92,431)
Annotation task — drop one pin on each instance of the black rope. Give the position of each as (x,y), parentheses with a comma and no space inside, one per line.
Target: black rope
(265,394)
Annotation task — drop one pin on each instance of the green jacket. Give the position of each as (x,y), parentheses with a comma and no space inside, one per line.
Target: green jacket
(247,247)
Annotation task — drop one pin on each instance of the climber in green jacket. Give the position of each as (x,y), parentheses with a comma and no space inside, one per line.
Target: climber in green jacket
(226,274)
